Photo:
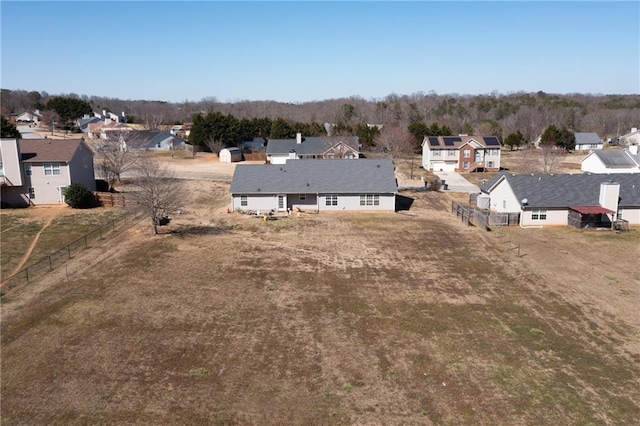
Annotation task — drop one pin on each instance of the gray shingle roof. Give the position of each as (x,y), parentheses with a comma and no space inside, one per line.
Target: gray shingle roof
(583,138)
(145,139)
(565,190)
(617,158)
(310,145)
(316,176)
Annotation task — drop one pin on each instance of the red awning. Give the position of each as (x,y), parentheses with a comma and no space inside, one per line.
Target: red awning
(591,210)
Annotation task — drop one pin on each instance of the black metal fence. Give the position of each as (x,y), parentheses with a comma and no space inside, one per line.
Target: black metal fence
(61,256)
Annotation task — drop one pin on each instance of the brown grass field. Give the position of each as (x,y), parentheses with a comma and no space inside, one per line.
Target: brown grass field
(347,318)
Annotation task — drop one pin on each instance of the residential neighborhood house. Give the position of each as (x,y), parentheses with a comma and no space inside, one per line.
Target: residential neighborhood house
(331,184)
(281,150)
(461,153)
(29,117)
(566,199)
(151,140)
(587,141)
(37,171)
(624,160)
(631,138)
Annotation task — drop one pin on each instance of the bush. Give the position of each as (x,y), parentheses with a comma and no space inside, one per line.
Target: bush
(79,197)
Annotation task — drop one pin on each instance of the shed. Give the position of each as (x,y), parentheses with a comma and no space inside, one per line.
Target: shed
(230,155)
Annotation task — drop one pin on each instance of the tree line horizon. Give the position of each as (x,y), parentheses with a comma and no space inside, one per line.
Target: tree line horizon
(526,115)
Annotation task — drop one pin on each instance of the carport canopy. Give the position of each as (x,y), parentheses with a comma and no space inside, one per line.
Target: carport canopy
(591,210)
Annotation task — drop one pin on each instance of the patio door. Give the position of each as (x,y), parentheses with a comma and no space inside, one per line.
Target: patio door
(280,203)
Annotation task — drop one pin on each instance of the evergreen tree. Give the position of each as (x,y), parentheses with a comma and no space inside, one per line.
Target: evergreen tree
(9,130)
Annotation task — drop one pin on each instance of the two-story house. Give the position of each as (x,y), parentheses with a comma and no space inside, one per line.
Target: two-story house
(37,171)
(461,153)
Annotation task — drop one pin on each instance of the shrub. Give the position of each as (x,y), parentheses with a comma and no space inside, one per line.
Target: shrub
(79,197)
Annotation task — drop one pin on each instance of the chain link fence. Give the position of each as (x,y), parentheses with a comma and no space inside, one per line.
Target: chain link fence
(61,256)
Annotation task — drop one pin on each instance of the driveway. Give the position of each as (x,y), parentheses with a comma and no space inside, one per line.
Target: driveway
(28,132)
(456,183)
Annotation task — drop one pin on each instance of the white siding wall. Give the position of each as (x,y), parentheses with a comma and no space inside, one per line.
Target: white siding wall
(554,217)
(387,202)
(426,156)
(631,215)
(503,200)
(47,187)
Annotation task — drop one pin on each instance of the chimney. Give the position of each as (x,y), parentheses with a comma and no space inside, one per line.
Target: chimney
(633,149)
(298,138)
(609,193)
(292,154)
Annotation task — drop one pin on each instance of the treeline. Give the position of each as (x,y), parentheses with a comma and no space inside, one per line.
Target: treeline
(488,114)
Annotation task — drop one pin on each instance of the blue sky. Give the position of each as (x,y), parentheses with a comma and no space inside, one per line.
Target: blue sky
(305,51)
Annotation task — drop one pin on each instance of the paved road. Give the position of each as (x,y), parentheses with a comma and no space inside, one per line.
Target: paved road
(28,132)
(456,183)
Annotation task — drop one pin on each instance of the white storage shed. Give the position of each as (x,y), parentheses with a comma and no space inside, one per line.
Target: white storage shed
(230,155)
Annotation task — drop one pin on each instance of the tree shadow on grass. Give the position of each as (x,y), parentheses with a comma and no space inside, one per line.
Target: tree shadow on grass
(185,230)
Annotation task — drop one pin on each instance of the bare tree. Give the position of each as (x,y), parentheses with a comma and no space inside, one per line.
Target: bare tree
(157,193)
(113,159)
(528,160)
(152,115)
(395,141)
(551,157)
(50,120)
(215,145)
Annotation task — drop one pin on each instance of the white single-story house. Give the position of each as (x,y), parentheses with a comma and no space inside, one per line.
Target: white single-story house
(29,117)
(560,199)
(327,147)
(230,155)
(587,141)
(624,160)
(37,171)
(461,153)
(143,140)
(332,184)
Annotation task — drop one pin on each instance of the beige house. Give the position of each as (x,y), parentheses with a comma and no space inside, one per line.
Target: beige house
(37,171)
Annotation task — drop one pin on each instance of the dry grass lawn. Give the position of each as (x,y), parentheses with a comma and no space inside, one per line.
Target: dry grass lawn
(406,318)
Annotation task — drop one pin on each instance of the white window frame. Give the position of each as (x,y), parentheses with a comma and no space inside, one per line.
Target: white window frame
(451,153)
(465,164)
(370,200)
(331,200)
(437,152)
(466,153)
(32,192)
(27,169)
(539,214)
(302,197)
(244,201)
(51,169)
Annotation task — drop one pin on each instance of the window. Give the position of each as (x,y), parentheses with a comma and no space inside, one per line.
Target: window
(490,164)
(32,192)
(27,169)
(302,197)
(51,169)
(504,204)
(539,214)
(466,153)
(370,200)
(451,152)
(243,201)
(465,165)
(331,200)
(437,152)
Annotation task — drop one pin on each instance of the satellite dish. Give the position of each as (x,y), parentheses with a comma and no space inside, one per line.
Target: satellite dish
(525,201)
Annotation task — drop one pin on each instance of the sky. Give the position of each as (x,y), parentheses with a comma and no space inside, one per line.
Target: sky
(316,50)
